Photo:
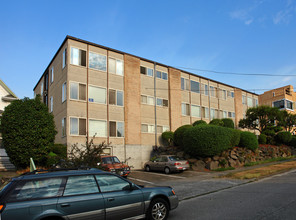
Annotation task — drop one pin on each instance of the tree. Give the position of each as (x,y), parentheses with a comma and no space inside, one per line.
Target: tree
(261,118)
(28,130)
(287,120)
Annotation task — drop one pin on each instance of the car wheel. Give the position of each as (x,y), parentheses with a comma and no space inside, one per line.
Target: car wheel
(147,168)
(158,210)
(167,170)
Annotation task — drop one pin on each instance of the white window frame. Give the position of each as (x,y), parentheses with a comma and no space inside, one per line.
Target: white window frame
(78,92)
(193,81)
(100,55)
(51,104)
(150,97)
(182,104)
(41,88)
(78,126)
(161,75)
(64,62)
(91,98)
(64,92)
(64,131)
(152,128)
(116,92)
(146,71)
(186,84)
(101,120)
(79,64)
(116,59)
(51,74)
(116,129)
(193,111)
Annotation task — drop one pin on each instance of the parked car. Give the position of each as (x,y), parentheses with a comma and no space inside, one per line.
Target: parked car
(112,164)
(167,163)
(82,194)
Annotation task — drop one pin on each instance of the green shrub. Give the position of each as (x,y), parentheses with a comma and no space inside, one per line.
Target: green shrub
(59,150)
(293,141)
(228,123)
(248,140)
(207,141)
(168,137)
(179,133)
(199,122)
(283,137)
(262,139)
(217,122)
(235,137)
(269,136)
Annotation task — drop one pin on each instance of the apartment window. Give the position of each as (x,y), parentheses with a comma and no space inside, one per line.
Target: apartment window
(96,94)
(97,61)
(51,75)
(115,97)
(97,128)
(212,113)
(146,71)
(212,91)
(206,90)
(115,66)
(230,94)
(77,126)
(78,57)
(147,128)
(116,129)
(289,104)
(224,114)
(77,91)
(244,98)
(194,86)
(41,89)
(195,111)
(64,92)
(249,101)
(161,129)
(273,94)
(162,102)
(233,115)
(64,58)
(205,112)
(184,84)
(149,100)
(161,75)
(51,104)
(185,109)
(224,94)
(63,127)
(256,102)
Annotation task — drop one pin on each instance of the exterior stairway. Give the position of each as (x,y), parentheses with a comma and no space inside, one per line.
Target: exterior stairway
(5,164)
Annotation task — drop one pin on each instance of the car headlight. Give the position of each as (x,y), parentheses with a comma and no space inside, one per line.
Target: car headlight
(127,169)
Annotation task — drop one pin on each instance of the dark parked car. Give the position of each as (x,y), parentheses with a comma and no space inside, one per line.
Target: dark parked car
(167,163)
(82,194)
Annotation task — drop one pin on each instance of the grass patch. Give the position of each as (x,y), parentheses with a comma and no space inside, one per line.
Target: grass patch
(224,169)
(268,161)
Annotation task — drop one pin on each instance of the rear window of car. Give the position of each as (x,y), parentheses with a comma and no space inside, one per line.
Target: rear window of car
(77,185)
(36,189)
(175,158)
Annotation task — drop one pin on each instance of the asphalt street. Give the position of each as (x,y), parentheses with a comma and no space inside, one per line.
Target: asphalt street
(270,198)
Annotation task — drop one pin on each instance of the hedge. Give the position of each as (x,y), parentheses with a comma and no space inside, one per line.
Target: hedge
(262,139)
(228,123)
(293,142)
(168,137)
(248,140)
(199,122)
(178,134)
(217,122)
(235,137)
(207,141)
(283,137)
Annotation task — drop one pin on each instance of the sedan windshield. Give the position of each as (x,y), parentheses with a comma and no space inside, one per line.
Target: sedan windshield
(175,158)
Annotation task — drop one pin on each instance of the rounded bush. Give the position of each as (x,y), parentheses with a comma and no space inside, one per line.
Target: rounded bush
(283,137)
(217,122)
(293,141)
(248,140)
(228,123)
(178,134)
(235,137)
(168,137)
(262,139)
(207,141)
(199,122)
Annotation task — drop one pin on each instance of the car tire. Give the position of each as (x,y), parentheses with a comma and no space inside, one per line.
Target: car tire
(167,170)
(147,168)
(158,210)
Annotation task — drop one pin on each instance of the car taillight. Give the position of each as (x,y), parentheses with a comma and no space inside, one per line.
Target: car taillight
(176,164)
(173,192)
(187,162)
(2,208)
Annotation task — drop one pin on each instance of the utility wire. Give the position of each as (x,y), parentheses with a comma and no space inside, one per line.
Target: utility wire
(232,73)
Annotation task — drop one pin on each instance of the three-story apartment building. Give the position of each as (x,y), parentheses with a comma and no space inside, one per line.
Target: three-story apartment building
(129,101)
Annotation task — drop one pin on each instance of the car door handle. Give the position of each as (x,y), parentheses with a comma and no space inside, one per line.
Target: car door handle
(65,205)
(110,199)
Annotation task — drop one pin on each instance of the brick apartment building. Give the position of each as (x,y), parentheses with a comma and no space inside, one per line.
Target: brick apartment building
(129,101)
(284,98)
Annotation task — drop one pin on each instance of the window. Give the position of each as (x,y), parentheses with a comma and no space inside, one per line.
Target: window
(147,128)
(96,94)
(64,58)
(78,57)
(36,189)
(205,112)
(64,92)
(77,126)
(273,94)
(184,84)
(195,111)
(256,102)
(244,99)
(206,90)
(63,127)
(77,185)
(194,86)
(161,75)
(77,91)
(51,104)
(97,128)
(116,129)
(161,129)
(224,114)
(97,61)
(233,115)
(115,66)
(185,109)
(212,113)
(110,183)
(249,101)
(51,75)
(115,97)
(224,94)
(212,91)
(41,89)
(230,94)
(165,128)
(289,104)
(149,100)
(146,71)
(162,102)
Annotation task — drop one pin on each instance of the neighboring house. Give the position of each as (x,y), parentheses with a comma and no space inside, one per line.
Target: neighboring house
(284,98)
(6,97)
(127,100)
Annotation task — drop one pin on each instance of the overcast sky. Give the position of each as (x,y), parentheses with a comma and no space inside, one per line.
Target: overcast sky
(245,36)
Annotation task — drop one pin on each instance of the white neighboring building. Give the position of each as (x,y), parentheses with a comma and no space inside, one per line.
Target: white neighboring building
(6,97)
